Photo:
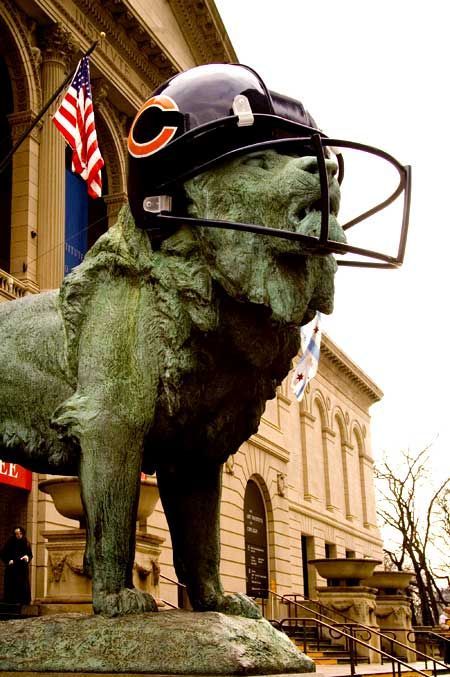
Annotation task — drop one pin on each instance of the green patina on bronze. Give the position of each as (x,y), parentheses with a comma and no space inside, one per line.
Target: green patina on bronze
(162,359)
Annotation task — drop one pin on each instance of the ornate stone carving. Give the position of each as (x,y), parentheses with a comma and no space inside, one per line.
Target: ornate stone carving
(121,26)
(281,483)
(57,43)
(19,123)
(100,91)
(201,24)
(56,563)
(229,465)
(37,56)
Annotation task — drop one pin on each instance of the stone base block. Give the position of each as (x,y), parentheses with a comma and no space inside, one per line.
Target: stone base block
(66,581)
(357,603)
(164,643)
(393,614)
(129,674)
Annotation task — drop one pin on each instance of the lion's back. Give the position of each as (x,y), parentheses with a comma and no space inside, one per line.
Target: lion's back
(32,370)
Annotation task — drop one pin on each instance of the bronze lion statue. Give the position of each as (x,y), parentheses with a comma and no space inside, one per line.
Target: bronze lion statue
(158,355)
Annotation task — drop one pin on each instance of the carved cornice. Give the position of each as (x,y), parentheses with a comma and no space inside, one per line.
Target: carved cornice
(130,37)
(203,30)
(347,367)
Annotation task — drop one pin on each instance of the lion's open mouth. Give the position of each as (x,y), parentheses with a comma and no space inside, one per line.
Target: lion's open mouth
(316,206)
(304,211)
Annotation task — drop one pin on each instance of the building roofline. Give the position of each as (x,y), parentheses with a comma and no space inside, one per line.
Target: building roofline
(204,31)
(336,356)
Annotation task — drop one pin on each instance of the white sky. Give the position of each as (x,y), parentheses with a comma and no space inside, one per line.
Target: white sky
(377,73)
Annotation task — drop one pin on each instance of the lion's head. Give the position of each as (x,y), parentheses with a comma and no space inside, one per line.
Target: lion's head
(278,191)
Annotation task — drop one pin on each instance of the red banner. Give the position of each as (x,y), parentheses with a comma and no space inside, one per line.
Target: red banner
(15,475)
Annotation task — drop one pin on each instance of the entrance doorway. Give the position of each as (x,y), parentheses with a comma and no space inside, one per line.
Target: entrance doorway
(13,509)
(256,564)
(307,546)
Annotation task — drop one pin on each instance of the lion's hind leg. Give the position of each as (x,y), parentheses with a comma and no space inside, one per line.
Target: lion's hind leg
(191,499)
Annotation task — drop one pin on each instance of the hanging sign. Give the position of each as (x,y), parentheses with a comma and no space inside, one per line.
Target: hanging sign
(15,475)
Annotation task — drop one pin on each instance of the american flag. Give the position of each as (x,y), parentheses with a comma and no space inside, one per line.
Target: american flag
(307,365)
(75,120)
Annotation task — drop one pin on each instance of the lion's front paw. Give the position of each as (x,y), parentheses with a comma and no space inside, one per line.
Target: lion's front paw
(238,605)
(127,601)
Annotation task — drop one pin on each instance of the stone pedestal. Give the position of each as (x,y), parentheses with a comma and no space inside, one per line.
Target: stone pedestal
(393,613)
(69,589)
(358,604)
(393,610)
(165,643)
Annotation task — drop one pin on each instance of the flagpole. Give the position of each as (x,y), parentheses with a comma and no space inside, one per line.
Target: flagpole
(4,163)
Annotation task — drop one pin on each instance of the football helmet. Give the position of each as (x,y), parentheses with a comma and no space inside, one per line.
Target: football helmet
(213,113)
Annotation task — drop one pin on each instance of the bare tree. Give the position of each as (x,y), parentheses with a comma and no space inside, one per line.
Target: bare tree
(413,528)
(442,543)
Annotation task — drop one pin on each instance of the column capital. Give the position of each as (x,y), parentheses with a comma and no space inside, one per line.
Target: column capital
(57,44)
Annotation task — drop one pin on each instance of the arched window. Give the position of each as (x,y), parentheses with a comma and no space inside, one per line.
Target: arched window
(362,476)
(344,470)
(86,218)
(256,551)
(320,479)
(6,108)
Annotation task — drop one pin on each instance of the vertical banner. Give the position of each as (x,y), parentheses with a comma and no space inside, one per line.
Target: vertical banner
(76,221)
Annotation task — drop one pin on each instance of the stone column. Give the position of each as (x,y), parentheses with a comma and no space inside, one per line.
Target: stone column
(24,200)
(56,50)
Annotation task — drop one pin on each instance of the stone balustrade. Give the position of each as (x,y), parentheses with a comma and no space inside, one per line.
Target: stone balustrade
(10,287)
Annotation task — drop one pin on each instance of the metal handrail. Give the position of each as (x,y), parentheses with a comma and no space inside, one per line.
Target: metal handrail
(350,641)
(431,633)
(435,637)
(172,580)
(350,622)
(317,603)
(172,606)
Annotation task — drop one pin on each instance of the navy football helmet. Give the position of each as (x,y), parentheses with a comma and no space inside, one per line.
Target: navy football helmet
(211,114)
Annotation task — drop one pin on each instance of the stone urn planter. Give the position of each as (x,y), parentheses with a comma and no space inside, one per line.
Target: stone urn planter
(389,582)
(68,586)
(344,572)
(65,492)
(344,594)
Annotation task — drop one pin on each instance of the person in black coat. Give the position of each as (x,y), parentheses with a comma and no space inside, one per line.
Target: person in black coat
(16,554)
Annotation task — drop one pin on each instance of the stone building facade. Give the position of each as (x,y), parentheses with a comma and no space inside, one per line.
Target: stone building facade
(306,478)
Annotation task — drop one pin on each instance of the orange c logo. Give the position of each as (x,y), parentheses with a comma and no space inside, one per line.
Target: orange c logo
(166,134)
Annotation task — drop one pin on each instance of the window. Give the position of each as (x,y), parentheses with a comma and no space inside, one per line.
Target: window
(6,107)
